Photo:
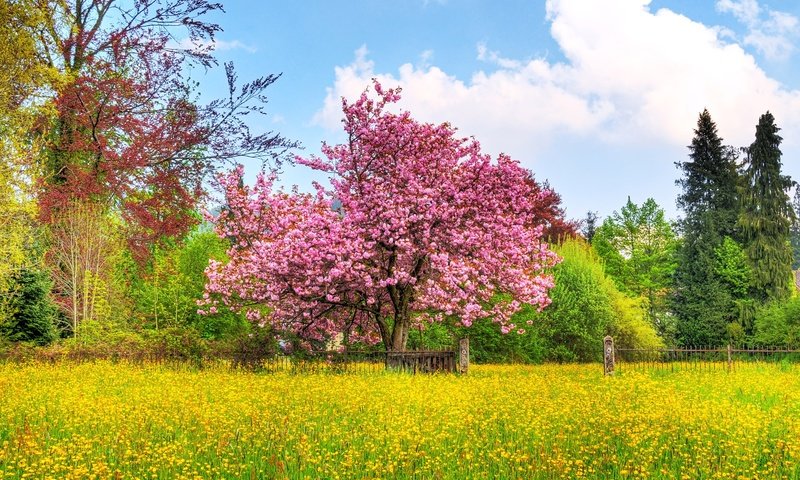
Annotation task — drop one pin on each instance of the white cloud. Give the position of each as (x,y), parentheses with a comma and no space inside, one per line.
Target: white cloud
(770,32)
(425,59)
(486,55)
(631,76)
(504,109)
(746,11)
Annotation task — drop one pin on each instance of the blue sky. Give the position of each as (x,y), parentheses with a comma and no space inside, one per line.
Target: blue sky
(597,97)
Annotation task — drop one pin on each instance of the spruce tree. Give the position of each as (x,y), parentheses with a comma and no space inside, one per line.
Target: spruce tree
(767,214)
(589,226)
(794,232)
(701,301)
(34,314)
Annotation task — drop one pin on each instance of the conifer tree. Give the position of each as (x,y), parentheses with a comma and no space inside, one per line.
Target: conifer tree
(794,231)
(767,214)
(34,314)
(701,301)
(589,227)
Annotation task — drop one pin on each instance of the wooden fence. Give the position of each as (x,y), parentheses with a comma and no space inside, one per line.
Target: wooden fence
(359,362)
(693,358)
(352,361)
(422,361)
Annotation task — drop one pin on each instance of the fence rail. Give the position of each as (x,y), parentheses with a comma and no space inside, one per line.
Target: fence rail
(258,357)
(422,361)
(359,362)
(701,358)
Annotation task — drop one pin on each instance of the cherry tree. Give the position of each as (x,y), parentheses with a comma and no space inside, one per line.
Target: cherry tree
(417,226)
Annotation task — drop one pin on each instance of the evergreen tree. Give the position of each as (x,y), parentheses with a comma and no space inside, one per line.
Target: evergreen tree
(589,226)
(701,301)
(794,231)
(710,181)
(33,313)
(767,214)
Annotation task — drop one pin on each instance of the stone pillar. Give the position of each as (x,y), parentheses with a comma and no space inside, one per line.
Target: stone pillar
(608,356)
(463,355)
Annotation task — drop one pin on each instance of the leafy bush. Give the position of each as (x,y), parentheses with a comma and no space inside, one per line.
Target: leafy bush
(778,324)
(489,345)
(167,290)
(630,327)
(586,306)
(582,308)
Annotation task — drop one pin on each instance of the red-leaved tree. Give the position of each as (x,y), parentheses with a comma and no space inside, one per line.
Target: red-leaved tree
(551,216)
(418,225)
(126,132)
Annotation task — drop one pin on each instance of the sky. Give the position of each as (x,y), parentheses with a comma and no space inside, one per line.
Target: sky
(598,97)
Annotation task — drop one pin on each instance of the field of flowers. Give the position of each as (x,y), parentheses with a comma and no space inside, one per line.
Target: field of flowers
(121,421)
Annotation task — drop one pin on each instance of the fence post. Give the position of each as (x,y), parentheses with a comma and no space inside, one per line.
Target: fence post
(608,356)
(730,357)
(463,360)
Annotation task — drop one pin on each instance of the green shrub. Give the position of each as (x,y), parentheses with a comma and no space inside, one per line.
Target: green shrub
(166,291)
(586,306)
(176,344)
(778,324)
(630,327)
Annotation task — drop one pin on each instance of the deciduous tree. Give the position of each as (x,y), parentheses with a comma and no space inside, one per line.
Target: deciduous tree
(20,78)
(126,131)
(417,225)
(83,245)
(550,214)
(638,247)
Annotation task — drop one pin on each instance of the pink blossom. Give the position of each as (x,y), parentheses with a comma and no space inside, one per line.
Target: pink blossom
(427,225)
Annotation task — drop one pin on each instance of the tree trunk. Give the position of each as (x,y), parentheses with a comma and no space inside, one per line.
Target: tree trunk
(402,323)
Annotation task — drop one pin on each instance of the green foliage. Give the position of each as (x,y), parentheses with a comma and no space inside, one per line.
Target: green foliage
(32,313)
(767,214)
(489,345)
(794,230)
(736,278)
(709,183)
(581,311)
(638,247)
(631,328)
(167,290)
(586,306)
(432,336)
(701,300)
(732,268)
(778,324)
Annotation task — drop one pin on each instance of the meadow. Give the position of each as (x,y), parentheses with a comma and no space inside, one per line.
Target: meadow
(104,420)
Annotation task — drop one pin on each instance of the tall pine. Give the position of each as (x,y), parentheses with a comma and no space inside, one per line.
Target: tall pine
(702,301)
(767,214)
(794,231)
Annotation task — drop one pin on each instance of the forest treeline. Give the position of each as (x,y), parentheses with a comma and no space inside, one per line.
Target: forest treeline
(108,158)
